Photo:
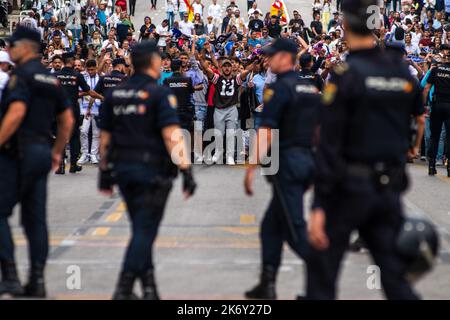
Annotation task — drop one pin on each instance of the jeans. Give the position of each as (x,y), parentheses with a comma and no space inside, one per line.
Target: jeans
(145,200)
(24,180)
(171,18)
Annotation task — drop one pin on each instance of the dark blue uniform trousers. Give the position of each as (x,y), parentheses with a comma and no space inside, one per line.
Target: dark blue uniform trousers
(377,215)
(25,181)
(293,178)
(440,114)
(145,202)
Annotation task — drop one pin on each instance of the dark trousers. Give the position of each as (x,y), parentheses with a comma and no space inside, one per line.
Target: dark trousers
(25,181)
(440,115)
(145,201)
(378,217)
(154,3)
(295,173)
(338,5)
(132,7)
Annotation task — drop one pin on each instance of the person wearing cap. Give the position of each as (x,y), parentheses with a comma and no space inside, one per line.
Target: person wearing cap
(440,109)
(139,130)
(306,64)
(226,99)
(256,24)
(71,82)
(5,67)
(365,142)
(112,80)
(291,107)
(31,101)
(182,87)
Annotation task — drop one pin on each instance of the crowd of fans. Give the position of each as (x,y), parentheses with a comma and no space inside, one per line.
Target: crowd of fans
(206,36)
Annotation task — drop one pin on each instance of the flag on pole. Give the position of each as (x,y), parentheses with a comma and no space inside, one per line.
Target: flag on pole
(279,9)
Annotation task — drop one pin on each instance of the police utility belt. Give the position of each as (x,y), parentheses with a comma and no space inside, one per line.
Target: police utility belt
(383,175)
(135,155)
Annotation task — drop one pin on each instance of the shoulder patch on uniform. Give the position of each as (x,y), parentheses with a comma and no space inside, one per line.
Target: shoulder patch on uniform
(12,82)
(341,68)
(172,101)
(268,95)
(329,93)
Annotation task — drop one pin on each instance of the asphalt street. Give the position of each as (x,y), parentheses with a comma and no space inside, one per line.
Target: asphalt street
(208,247)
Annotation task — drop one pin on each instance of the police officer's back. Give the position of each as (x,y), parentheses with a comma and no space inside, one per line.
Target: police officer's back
(291,106)
(112,80)
(138,123)
(440,109)
(183,89)
(306,63)
(32,99)
(361,157)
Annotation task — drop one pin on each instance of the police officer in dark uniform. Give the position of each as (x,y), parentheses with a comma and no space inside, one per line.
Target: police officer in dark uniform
(139,128)
(440,111)
(365,141)
(112,80)
(31,100)
(291,105)
(71,81)
(306,64)
(183,89)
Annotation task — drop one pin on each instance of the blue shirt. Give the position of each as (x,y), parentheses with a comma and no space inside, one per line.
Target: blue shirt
(164,75)
(253,43)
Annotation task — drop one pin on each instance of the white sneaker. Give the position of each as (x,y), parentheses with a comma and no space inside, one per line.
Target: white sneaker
(230,161)
(83,159)
(94,159)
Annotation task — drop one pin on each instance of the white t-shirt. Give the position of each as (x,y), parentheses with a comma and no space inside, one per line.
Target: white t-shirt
(198,8)
(182,7)
(3,81)
(215,11)
(162,31)
(106,44)
(186,27)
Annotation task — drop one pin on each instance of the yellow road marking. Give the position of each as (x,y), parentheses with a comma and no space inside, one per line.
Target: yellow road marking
(241,230)
(121,207)
(114,217)
(247,219)
(100,231)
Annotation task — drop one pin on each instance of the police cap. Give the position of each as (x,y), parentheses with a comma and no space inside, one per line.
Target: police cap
(24,33)
(280,45)
(357,14)
(418,243)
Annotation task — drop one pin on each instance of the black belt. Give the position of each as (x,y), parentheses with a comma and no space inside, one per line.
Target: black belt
(381,173)
(137,156)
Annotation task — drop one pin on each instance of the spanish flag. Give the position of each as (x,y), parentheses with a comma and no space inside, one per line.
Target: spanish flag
(279,9)
(190,10)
